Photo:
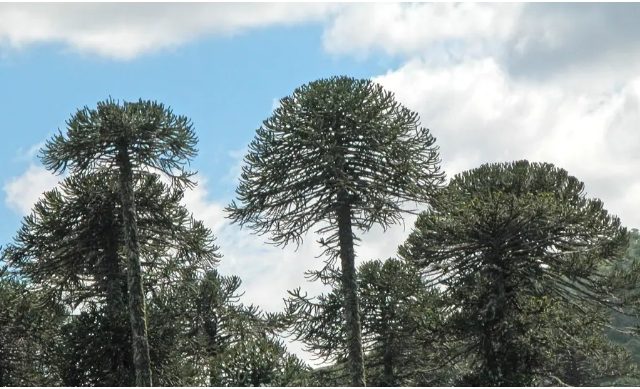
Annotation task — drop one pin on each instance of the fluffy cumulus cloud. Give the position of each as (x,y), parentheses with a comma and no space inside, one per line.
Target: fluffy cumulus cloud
(562,39)
(500,82)
(406,29)
(124,31)
(479,113)
(22,192)
(531,40)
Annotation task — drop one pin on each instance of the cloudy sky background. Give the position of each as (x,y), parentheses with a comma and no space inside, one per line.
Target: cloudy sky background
(494,82)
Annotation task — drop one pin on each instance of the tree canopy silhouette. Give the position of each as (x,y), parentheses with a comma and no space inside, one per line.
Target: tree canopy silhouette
(504,232)
(339,154)
(132,138)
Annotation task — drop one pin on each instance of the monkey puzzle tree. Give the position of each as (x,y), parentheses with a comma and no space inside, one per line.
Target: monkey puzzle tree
(131,138)
(343,154)
(29,335)
(70,247)
(399,314)
(214,340)
(501,234)
(261,360)
(207,318)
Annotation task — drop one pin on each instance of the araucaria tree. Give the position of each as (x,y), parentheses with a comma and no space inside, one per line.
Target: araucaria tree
(340,154)
(503,236)
(132,138)
(29,335)
(399,314)
(70,247)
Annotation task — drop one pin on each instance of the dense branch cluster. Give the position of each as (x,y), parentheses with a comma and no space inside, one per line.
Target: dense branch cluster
(511,276)
(71,241)
(153,136)
(503,235)
(332,136)
(529,223)
(399,313)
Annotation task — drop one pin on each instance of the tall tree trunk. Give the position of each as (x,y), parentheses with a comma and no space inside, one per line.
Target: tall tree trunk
(137,312)
(387,362)
(493,339)
(388,376)
(350,288)
(116,311)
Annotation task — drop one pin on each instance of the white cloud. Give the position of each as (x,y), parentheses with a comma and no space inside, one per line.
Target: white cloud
(408,29)
(124,31)
(480,113)
(499,82)
(556,40)
(22,192)
(582,46)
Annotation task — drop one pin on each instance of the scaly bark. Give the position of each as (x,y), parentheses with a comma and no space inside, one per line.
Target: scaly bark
(350,288)
(389,378)
(137,312)
(493,357)
(388,375)
(116,308)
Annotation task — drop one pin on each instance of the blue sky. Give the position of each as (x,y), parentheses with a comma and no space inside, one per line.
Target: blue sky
(227,86)
(494,82)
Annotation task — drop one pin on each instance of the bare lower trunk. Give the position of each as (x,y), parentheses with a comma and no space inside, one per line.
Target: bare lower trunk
(116,311)
(388,374)
(494,359)
(141,359)
(350,288)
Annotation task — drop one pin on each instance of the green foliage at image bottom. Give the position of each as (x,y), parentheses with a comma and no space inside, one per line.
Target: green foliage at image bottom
(29,336)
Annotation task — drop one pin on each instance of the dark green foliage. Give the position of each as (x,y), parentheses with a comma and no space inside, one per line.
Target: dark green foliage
(96,349)
(70,247)
(625,323)
(330,136)
(501,235)
(202,335)
(29,336)
(153,136)
(339,153)
(261,361)
(562,346)
(580,354)
(131,139)
(205,316)
(400,316)
(71,243)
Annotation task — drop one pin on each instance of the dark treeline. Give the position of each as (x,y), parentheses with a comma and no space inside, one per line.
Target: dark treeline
(511,276)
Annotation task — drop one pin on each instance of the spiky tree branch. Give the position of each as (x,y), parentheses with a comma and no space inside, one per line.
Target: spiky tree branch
(501,232)
(341,154)
(131,138)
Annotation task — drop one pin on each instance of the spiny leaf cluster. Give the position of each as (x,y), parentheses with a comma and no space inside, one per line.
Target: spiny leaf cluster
(503,236)
(399,313)
(153,136)
(330,136)
(530,222)
(76,229)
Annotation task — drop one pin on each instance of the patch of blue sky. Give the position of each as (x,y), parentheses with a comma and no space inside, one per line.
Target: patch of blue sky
(226,85)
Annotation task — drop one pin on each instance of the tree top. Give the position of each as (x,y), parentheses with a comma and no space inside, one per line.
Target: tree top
(152,136)
(334,141)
